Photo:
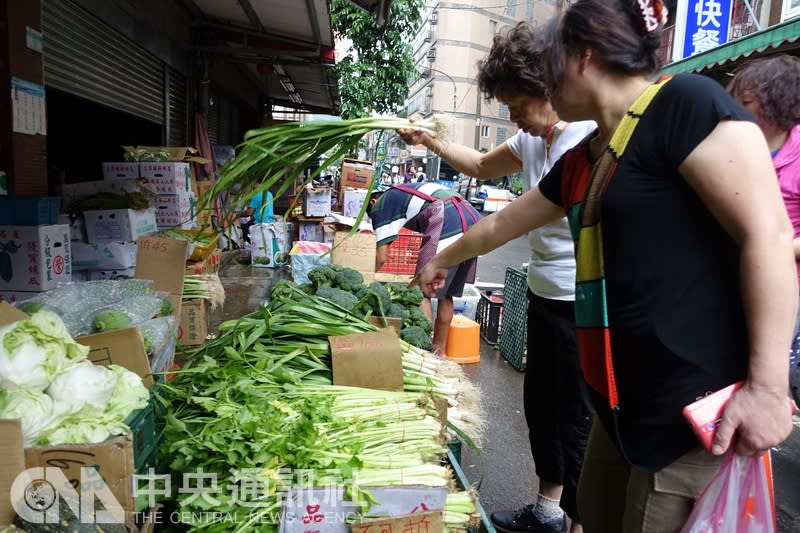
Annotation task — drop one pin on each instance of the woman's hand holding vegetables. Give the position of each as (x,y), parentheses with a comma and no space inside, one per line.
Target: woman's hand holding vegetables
(412,136)
(431,278)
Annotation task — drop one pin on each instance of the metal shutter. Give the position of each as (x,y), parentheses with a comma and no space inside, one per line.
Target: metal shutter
(212,117)
(178,109)
(87,58)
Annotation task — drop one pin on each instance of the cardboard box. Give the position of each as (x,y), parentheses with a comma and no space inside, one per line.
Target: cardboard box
(195,315)
(311,232)
(209,265)
(120,171)
(35,258)
(369,360)
(104,225)
(167,178)
(203,216)
(175,210)
(356,251)
(353,200)
(356,174)
(317,202)
(103,255)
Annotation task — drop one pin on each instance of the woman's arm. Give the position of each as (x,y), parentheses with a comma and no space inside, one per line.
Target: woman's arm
(499,162)
(732,172)
(529,211)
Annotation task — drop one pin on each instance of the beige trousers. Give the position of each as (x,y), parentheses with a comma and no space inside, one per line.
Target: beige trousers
(615,498)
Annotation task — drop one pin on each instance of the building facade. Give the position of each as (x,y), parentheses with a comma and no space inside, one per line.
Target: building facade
(454,36)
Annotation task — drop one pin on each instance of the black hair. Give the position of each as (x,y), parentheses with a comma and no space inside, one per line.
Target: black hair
(618,32)
(513,65)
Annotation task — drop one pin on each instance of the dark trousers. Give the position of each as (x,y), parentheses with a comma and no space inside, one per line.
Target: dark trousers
(557,406)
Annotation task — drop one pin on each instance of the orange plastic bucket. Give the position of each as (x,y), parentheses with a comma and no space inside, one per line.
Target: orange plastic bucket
(464,340)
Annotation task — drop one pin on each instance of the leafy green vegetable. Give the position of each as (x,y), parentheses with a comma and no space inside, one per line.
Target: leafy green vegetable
(34,350)
(34,408)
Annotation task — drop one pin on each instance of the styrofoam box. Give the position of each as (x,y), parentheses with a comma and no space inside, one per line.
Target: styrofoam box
(103,255)
(35,258)
(466,305)
(14,297)
(311,231)
(175,210)
(168,178)
(111,274)
(121,170)
(104,225)
(353,200)
(318,203)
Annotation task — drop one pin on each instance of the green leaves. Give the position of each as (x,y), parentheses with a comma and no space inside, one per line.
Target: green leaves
(374,75)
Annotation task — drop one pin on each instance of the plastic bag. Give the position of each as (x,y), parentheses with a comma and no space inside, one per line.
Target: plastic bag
(738,499)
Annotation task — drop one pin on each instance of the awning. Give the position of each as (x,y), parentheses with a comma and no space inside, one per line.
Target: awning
(755,44)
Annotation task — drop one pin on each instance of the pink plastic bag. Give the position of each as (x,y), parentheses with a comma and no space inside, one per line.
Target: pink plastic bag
(738,499)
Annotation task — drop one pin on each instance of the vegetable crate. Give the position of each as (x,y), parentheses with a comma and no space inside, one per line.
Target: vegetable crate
(29,210)
(403,253)
(489,316)
(486,525)
(143,430)
(513,337)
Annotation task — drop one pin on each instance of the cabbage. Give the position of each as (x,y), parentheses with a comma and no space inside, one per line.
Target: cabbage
(82,428)
(34,350)
(129,394)
(90,422)
(35,409)
(84,384)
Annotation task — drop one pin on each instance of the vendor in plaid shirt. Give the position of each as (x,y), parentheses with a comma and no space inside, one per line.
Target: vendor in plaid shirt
(442,216)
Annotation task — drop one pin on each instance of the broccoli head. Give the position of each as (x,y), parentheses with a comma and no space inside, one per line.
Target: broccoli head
(322,276)
(341,298)
(349,280)
(404,296)
(416,336)
(398,311)
(418,318)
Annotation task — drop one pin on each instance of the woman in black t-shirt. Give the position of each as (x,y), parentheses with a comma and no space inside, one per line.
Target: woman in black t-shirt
(682,242)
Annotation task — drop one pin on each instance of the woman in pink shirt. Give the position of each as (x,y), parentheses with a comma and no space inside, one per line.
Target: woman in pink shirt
(770,89)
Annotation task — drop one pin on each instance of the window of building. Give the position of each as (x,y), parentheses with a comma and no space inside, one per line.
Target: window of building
(511,8)
(502,135)
(502,111)
(485,131)
(492,27)
(529,10)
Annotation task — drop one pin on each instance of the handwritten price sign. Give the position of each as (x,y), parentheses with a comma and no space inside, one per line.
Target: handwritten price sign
(425,522)
(370,360)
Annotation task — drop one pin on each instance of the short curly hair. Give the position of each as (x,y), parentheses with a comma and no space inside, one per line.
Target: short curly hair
(774,83)
(513,65)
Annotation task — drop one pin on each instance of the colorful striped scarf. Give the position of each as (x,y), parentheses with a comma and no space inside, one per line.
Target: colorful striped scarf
(582,189)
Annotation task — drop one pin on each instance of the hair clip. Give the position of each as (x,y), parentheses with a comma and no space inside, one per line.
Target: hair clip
(654,13)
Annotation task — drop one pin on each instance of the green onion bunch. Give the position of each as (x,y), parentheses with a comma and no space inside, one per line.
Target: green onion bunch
(274,157)
(204,286)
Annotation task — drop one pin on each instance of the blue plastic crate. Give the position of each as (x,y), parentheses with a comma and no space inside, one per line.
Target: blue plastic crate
(29,210)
